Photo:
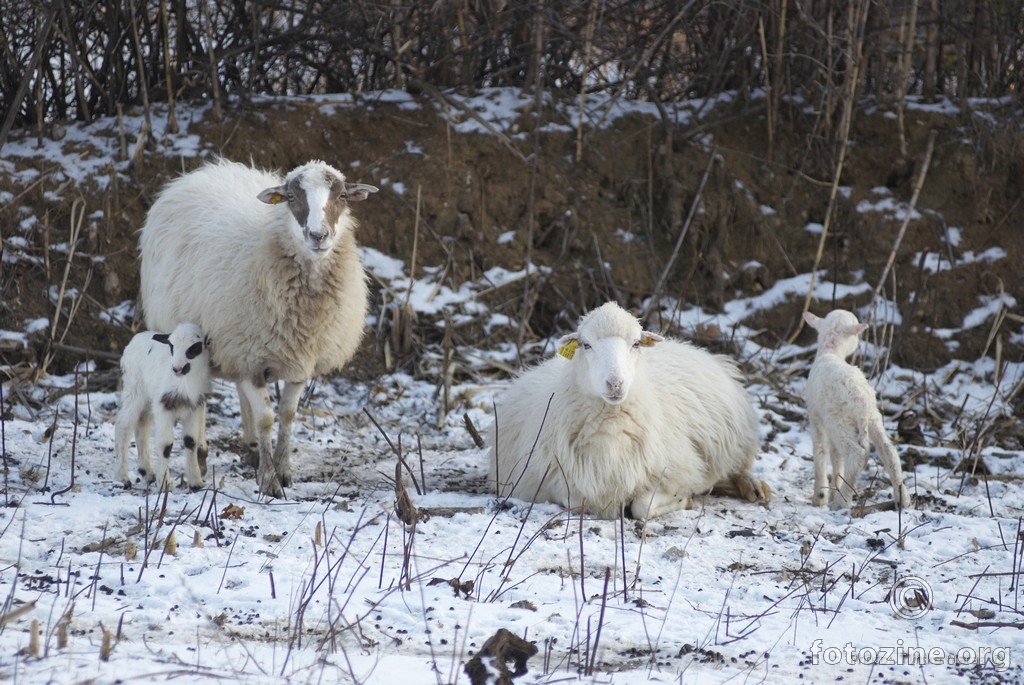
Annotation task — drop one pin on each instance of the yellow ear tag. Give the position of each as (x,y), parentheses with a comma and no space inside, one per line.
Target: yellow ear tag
(277,199)
(569,349)
(647,341)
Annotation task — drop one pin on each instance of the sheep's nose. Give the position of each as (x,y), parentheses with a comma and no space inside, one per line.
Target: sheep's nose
(317,237)
(182,370)
(613,387)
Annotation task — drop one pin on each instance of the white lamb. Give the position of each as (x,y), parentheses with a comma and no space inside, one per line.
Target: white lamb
(635,424)
(269,268)
(164,377)
(844,414)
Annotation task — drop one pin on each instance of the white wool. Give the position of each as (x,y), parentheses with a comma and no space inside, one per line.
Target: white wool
(164,378)
(630,421)
(269,268)
(844,415)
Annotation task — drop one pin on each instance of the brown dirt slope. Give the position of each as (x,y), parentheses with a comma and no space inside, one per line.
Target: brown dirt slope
(606,223)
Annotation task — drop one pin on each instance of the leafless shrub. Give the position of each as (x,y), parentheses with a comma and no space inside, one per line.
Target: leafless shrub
(98,56)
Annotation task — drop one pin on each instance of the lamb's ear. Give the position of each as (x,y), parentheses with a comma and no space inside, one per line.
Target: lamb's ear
(855,330)
(354,192)
(162,338)
(567,345)
(812,320)
(273,196)
(648,339)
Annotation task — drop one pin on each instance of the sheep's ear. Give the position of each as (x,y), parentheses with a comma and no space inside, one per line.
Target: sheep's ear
(162,338)
(567,345)
(648,339)
(856,329)
(354,192)
(812,320)
(272,196)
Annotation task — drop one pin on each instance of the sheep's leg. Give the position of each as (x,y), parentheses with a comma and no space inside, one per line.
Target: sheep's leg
(143,439)
(164,421)
(250,440)
(891,462)
(744,485)
(192,434)
(287,406)
(258,398)
(820,494)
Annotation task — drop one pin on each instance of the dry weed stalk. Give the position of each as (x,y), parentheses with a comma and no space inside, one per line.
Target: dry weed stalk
(856,26)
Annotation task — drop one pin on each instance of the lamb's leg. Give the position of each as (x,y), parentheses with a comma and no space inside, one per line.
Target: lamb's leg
(191,428)
(847,457)
(259,403)
(123,430)
(820,495)
(143,439)
(891,462)
(287,406)
(250,441)
(164,421)
(202,449)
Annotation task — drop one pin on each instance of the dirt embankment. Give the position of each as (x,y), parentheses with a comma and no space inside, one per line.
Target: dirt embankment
(606,224)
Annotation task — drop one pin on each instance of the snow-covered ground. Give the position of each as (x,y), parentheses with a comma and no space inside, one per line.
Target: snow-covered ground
(328,585)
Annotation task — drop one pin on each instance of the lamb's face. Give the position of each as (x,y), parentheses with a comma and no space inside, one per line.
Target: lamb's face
(607,349)
(187,346)
(317,197)
(837,333)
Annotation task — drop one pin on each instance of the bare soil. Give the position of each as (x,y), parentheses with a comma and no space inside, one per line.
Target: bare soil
(636,178)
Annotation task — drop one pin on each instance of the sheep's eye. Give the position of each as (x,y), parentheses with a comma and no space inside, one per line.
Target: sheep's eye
(194,351)
(291,197)
(586,345)
(636,345)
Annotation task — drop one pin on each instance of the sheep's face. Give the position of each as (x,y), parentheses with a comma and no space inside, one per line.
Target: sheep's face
(317,197)
(837,333)
(187,346)
(607,349)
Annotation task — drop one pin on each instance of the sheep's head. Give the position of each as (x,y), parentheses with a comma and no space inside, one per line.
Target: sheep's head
(188,345)
(606,347)
(837,333)
(317,197)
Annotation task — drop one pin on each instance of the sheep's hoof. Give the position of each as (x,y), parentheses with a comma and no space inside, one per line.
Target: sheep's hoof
(752,489)
(252,455)
(905,500)
(271,487)
(127,483)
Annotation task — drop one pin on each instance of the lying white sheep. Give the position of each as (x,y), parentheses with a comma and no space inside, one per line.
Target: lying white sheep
(844,415)
(269,268)
(164,377)
(635,423)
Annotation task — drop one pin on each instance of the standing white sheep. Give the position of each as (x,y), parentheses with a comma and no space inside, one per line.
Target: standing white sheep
(844,414)
(624,420)
(164,377)
(269,268)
